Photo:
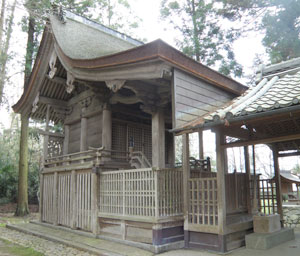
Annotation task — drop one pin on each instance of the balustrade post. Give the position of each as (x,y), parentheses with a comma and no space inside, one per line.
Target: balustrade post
(73,200)
(94,201)
(55,199)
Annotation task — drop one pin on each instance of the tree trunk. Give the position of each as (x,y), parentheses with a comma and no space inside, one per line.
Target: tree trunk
(22,206)
(29,49)
(196,33)
(4,50)
(2,13)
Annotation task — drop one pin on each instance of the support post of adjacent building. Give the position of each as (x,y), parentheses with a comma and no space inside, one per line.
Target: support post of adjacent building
(221,170)
(185,180)
(201,151)
(248,178)
(158,139)
(278,184)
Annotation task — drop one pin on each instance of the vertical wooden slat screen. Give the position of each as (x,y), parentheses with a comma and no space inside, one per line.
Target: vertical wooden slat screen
(203,201)
(83,200)
(48,200)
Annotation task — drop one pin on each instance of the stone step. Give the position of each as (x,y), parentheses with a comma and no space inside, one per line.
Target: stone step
(266,241)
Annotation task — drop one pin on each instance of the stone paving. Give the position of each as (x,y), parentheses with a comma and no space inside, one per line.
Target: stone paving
(46,247)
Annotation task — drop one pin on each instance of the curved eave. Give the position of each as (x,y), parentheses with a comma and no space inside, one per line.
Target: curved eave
(29,91)
(154,50)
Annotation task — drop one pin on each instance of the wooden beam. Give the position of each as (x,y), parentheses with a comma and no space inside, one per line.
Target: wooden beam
(106,128)
(52,102)
(53,134)
(289,154)
(262,141)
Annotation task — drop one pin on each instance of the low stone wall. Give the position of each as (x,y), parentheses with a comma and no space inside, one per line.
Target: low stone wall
(291,215)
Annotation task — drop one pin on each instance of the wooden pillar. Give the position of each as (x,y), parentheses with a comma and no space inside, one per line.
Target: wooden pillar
(158,139)
(248,178)
(83,134)
(201,152)
(73,200)
(106,128)
(221,170)
(278,184)
(94,202)
(255,194)
(46,137)
(66,139)
(186,177)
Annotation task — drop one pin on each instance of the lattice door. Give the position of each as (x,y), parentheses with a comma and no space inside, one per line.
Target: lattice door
(135,135)
(148,143)
(119,136)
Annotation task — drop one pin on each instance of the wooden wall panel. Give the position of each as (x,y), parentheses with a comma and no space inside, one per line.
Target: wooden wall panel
(74,141)
(94,126)
(194,98)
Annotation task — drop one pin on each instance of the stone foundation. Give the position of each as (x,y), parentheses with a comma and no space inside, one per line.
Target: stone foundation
(291,215)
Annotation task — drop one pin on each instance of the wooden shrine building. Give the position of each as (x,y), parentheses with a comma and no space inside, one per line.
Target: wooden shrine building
(290,181)
(111,168)
(218,209)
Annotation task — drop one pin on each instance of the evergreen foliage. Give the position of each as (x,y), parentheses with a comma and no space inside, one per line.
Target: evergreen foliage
(204,38)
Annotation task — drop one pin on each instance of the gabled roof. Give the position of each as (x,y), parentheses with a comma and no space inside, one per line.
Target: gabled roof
(91,52)
(289,176)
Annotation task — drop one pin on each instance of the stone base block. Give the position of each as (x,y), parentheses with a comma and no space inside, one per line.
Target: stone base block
(265,241)
(266,224)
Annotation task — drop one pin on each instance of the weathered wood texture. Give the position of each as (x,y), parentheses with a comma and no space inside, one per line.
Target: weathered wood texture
(203,201)
(74,140)
(194,98)
(66,205)
(236,193)
(144,193)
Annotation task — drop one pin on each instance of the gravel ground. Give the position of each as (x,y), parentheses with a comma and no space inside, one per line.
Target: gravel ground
(46,247)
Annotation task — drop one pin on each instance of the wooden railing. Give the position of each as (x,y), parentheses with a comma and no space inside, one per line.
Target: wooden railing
(84,159)
(146,194)
(203,203)
(139,160)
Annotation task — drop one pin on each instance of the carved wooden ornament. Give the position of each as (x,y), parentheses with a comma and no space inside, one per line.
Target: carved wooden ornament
(35,103)
(52,63)
(115,85)
(70,82)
